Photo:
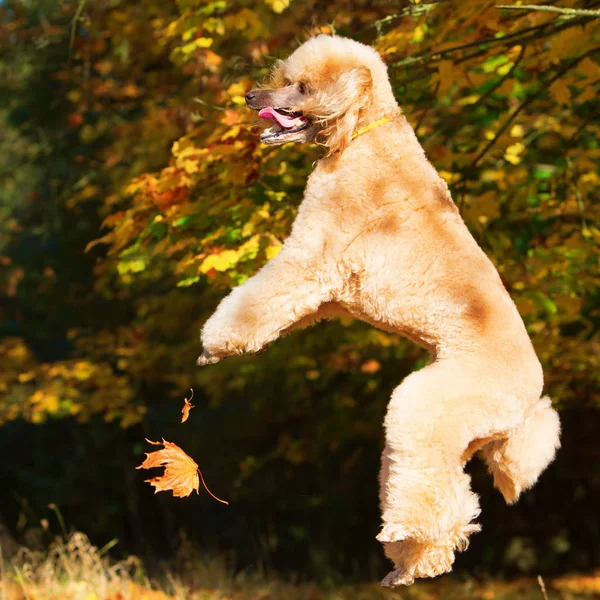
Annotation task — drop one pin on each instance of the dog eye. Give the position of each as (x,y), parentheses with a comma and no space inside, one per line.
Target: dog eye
(302,88)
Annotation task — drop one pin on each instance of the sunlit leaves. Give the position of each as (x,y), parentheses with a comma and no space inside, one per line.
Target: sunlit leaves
(560,92)
(513,153)
(278,6)
(78,388)
(493,117)
(219,262)
(517,155)
(192,204)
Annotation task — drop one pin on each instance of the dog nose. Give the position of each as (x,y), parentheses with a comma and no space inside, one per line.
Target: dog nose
(250,96)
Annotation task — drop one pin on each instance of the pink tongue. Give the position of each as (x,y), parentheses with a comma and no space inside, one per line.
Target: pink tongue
(272,115)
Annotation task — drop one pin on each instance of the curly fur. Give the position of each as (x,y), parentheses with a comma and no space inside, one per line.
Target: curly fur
(378,237)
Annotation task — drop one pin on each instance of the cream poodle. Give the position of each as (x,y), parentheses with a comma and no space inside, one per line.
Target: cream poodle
(379,238)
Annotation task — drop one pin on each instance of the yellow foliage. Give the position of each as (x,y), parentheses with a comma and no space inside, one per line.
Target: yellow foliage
(505,68)
(239,88)
(590,69)
(18,352)
(513,153)
(249,249)
(272,251)
(248,229)
(201,42)
(203,212)
(560,91)
(234,131)
(83,370)
(448,177)
(278,6)
(248,21)
(466,100)
(588,93)
(517,131)
(419,33)
(481,209)
(567,43)
(25,377)
(447,76)
(219,262)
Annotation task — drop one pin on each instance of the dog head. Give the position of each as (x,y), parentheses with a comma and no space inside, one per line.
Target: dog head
(327,89)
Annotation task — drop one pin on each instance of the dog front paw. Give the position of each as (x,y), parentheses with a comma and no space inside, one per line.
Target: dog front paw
(206,358)
(218,341)
(397,578)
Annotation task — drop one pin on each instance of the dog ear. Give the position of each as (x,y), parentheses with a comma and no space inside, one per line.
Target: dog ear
(352,96)
(276,78)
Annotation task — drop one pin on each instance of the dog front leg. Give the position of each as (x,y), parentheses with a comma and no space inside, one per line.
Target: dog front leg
(284,291)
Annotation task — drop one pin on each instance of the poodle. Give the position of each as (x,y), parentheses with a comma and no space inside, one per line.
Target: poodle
(378,237)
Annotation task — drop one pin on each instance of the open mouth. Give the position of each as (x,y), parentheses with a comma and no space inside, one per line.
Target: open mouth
(285,120)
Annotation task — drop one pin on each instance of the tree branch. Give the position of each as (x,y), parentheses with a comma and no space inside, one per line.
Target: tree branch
(454,120)
(525,34)
(529,100)
(487,94)
(74,22)
(426,111)
(410,11)
(571,12)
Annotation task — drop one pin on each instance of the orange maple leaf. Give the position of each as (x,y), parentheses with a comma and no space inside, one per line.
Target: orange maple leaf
(185,411)
(181,472)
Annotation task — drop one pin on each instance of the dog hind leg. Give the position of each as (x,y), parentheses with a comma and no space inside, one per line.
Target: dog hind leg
(426,501)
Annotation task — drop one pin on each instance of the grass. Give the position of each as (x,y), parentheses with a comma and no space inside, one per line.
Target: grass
(74,569)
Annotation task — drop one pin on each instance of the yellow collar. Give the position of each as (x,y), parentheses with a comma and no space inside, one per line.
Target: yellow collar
(371,126)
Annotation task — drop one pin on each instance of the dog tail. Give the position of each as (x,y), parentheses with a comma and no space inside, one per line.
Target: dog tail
(517,461)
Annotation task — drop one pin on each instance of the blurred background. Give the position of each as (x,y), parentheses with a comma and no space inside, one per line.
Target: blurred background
(133,196)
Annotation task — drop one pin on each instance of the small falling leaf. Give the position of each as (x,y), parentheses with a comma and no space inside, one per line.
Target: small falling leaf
(181,475)
(185,411)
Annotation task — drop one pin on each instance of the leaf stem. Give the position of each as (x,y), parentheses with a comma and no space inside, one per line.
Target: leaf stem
(206,488)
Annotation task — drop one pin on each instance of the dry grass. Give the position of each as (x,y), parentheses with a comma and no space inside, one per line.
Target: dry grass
(74,569)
